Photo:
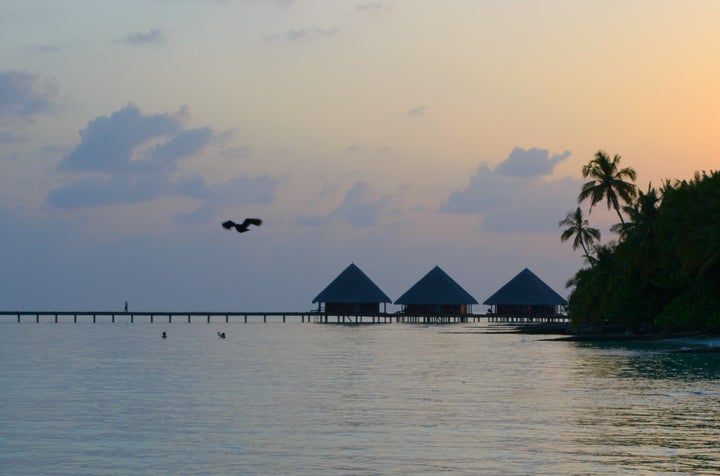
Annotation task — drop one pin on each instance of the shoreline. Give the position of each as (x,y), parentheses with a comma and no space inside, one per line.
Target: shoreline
(704,338)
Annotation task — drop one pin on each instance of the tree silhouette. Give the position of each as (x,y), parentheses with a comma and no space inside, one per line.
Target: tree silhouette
(608,182)
(578,226)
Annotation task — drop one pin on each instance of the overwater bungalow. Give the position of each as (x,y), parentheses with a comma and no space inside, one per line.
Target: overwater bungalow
(351,293)
(525,295)
(436,294)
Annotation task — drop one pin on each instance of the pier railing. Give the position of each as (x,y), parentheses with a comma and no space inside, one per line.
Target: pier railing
(264,317)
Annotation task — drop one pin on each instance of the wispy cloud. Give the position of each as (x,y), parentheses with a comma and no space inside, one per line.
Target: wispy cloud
(239,190)
(416,111)
(154,36)
(23,97)
(303,34)
(44,49)
(370,6)
(279,3)
(357,209)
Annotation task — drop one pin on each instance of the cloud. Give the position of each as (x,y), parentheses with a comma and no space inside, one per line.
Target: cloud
(370,6)
(535,208)
(110,143)
(416,111)
(357,209)
(185,143)
(44,49)
(154,36)
(530,163)
(130,157)
(231,193)
(108,191)
(279,3)
(485,191)
(517,195)
(302,34)
(235,152)
(24,96)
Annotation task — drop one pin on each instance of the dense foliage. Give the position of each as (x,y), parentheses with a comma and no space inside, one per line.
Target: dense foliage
(663,272)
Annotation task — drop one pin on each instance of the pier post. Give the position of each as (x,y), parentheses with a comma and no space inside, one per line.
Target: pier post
(169,318)
(151,318)
(113,318)
(55,318)
(132,318)
(37,318)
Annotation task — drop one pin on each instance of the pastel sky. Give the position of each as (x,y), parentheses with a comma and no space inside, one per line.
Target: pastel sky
(397,135)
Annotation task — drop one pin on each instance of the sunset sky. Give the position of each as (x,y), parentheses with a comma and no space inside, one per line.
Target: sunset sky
(397,135)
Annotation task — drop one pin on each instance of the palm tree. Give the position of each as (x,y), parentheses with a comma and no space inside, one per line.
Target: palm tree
(608,182)
(580,227)
(643,213)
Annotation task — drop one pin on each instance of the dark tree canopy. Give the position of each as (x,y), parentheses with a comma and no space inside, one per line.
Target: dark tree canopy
(664,270)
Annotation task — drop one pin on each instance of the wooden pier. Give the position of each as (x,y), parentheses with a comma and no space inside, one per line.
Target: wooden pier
(151,317)
(262,317)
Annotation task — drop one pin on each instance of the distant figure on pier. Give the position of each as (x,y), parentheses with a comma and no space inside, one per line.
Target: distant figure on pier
(164,335)
(221,335)
(125,306)
(242,227)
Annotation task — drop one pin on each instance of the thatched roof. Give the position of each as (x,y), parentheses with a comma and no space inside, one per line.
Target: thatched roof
(526,289)
(352,286)
(436,287)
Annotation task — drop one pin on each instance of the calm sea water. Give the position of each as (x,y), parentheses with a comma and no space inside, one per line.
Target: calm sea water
(309,399)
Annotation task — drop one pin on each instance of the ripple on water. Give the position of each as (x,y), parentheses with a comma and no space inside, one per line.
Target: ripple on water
(313,399)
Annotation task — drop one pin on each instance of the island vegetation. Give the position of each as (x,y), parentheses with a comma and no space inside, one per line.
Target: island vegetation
(661,272)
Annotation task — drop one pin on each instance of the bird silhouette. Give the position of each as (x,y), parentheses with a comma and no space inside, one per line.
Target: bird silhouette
(242,227)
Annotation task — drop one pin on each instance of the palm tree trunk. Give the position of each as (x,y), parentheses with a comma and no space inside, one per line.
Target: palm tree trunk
(616,205)
(617,209)
(582,243)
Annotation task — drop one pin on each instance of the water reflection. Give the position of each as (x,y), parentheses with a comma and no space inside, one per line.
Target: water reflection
(655,361)
(645,408)
(337,400)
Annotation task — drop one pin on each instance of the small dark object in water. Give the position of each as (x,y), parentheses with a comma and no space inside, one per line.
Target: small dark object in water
(164,335)
(221,335)
(242,227)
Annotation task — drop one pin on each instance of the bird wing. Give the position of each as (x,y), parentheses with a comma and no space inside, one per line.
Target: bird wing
(251,221)
(228,224)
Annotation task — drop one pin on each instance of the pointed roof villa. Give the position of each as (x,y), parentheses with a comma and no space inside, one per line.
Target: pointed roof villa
(352,292)
(436,293)
(525,294)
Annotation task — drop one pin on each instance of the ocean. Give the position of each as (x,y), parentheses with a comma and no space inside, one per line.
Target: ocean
(313,399)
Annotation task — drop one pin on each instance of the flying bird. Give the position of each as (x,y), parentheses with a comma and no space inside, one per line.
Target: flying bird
(242,227)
